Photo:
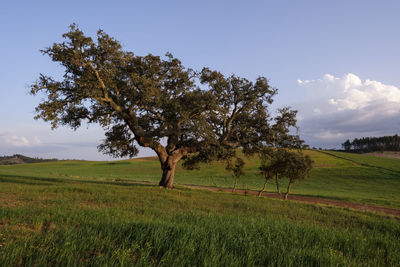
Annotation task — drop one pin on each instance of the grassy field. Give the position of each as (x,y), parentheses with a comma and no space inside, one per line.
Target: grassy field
(73,213)
(384,163)
(71,222)
(343,176)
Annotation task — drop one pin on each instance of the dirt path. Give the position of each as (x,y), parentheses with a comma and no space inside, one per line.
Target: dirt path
(314,200)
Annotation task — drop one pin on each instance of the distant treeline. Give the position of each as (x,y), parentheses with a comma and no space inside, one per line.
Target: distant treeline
(18,158)
(371,144)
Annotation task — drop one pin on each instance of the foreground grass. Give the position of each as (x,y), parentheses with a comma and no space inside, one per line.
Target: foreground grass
(62,221)
(343,176)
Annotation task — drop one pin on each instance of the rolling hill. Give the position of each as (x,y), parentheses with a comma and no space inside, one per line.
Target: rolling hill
(79,213)
(336,175)
(21,159)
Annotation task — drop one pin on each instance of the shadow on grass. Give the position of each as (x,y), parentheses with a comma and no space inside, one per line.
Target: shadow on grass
(29,180)
(361,163)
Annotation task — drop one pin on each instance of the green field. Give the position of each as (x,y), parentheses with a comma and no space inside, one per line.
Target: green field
(72,213)
(63,222)
(352,177)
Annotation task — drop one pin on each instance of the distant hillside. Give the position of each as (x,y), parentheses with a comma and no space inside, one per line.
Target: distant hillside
(19,159)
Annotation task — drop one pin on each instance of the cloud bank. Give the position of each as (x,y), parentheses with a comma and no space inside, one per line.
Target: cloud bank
(18,141)
(337,108)
(38,140)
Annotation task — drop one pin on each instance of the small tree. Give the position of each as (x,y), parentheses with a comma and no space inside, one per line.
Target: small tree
(298,167)
(273,165)
(347,145)
(236,167)
(267,167)
(273,158)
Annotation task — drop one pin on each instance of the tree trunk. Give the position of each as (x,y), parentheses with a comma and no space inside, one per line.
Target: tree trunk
(262,190)
(234,185)
(288,190)
(168,175)
(277,184)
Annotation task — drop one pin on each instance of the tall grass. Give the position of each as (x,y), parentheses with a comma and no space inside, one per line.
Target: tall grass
(75,222)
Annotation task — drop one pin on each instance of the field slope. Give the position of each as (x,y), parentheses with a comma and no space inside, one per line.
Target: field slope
(340,176)
(78,213)
(67,222)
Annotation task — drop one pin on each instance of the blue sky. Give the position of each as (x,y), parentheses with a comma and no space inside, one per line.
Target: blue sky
(335,61)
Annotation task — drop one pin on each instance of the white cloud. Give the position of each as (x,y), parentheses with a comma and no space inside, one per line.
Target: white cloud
(328,135)
(339,108)
(8,139)
(18,141)
(36,140)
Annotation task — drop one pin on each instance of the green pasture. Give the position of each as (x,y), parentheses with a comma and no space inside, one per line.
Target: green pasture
(384,163)
(76,221)
(336,175)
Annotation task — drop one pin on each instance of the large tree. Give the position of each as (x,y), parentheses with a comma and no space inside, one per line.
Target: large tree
(156,103)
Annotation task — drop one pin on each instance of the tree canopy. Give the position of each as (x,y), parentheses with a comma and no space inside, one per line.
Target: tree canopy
(297,168)
(156,102)
(286,163)
(371,144)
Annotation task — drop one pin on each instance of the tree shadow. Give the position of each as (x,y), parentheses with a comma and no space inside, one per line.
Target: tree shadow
(28,180)
(361,163)
(31,180)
